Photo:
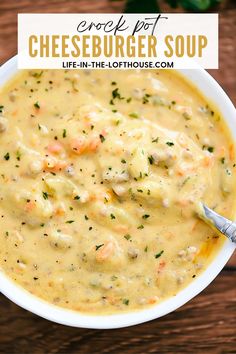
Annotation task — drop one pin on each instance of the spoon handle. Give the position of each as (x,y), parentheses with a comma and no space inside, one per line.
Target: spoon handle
(225,226)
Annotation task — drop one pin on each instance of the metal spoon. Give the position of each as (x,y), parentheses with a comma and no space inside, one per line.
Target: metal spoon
(225,226)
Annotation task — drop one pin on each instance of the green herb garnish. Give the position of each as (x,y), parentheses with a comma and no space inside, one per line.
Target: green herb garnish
(151,159)
(7,156)
(170,143)
(127,237)
(145,216)
(159,254)
(134,115)
(140,227)
(64,133)
(36,105)
(155,140)
(101,138)
(126,302)
(18,155)
(210,148)
(45,195)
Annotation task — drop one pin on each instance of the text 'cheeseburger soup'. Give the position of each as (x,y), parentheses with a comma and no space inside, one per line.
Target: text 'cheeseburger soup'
(101,176)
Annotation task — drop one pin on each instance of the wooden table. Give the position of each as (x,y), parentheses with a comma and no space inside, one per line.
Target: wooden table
(207,324)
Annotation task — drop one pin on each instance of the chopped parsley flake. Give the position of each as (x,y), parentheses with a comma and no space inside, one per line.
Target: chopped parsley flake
(186,116)
(140,227)
(155,140)
(18,155)
(134,115)
(145,216)
(151,159)
(64,133)
(7,156)
(36,105)
(112,216)
(99,246)
(159,254)
(37,75)
(145,98)
(77,197)
(70,221)
(127,237)
(116,94)
(101,138)
(210,149)
(45,195)
(126,302)
(169,143)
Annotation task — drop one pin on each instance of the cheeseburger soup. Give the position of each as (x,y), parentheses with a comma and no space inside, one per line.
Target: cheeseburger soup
(101,175)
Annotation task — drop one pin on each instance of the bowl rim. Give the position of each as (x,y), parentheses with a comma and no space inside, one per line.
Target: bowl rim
(210,89)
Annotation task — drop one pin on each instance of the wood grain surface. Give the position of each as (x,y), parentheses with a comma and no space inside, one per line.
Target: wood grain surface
(207,324)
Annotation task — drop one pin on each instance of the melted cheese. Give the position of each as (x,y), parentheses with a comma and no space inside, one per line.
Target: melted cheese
(101,173)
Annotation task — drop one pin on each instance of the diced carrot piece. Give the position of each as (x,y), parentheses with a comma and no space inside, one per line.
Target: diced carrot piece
(179,172)
(105,252)
(30,205)
(231,152)
(54,165)
(78,145)
(55,148)
(161,266)
(122,229)
(208,161)
(221,151)
(94,144)
(14,113)
(60,166)
(152,300)
(104,132)
(59,212)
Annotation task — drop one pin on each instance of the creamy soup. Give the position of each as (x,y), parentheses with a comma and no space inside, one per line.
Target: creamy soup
(101,175)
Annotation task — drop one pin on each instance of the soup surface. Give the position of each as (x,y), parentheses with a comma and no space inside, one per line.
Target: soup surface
(101,175)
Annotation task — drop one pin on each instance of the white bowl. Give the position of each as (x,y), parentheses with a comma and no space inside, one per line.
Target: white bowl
(21,297)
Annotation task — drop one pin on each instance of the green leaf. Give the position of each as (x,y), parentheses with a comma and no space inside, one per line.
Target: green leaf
(141,6)
(198,5)
(172,3)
